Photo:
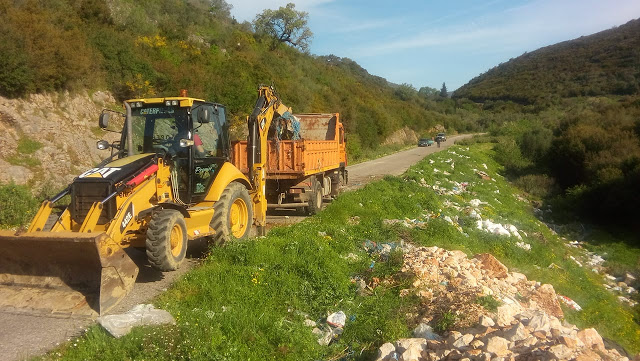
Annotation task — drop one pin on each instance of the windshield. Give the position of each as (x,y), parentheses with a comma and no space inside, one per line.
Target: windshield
(158,128)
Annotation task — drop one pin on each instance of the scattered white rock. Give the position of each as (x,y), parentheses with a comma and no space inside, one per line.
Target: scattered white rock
(139,315)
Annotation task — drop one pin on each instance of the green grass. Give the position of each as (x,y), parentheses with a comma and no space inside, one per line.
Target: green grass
(247,299)
(25,150)
(28,146)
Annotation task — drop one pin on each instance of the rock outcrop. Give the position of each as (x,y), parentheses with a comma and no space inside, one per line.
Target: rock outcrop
(65,127)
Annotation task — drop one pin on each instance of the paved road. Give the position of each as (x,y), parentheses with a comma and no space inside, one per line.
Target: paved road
(394,164)
(22,336)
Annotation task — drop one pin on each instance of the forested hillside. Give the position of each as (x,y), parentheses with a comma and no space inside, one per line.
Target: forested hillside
(146,48)
(567,118)
(600,64)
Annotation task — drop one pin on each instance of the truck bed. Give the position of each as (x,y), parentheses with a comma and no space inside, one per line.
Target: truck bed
(319,150)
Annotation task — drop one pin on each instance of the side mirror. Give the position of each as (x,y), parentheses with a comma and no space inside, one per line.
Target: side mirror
(102,144)
(103,122)
(203,116)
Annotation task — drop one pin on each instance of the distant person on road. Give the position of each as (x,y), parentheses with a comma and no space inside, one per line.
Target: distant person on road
(438,139)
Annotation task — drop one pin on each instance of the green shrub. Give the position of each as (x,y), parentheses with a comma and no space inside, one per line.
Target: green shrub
(508,154)
(17,205)
(539,185)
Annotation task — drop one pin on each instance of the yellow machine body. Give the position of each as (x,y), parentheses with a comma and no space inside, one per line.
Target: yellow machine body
(79,265)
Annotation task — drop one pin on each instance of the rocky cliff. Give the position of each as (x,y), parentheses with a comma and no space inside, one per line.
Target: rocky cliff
(49,138)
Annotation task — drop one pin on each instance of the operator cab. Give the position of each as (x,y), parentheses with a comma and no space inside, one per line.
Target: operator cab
(189,134)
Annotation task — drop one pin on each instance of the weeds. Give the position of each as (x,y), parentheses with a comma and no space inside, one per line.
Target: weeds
(488,302)
(445,322)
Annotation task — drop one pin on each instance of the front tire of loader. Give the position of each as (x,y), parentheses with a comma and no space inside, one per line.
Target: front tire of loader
(166,240)
(232,215)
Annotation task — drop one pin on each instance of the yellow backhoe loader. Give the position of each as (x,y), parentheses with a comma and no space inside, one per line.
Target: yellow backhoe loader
(169,180)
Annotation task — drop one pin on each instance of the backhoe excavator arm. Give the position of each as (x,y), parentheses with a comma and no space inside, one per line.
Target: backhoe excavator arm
(267,106)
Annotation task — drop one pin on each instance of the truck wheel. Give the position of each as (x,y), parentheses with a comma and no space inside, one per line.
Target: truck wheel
(315,199)
(335,186)
(167,240)
(232,215)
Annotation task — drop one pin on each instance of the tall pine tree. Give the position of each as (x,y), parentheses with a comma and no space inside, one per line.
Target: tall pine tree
(443,91)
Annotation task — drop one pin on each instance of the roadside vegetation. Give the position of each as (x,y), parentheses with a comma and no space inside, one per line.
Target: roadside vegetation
(248,300)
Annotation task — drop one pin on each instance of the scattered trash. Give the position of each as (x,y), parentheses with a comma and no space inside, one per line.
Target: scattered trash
(337,319)
(576,261)
(595,260)
(139,315)
(409,223)
(324,337)
(483,175)
(355,220)
(476,202)
(569,302)
(352,257)
(425,331)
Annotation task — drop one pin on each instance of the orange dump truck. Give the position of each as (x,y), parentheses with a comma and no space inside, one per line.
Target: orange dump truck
(305,163)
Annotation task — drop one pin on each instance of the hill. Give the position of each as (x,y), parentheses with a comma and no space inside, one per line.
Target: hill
(139,49)
(605,63)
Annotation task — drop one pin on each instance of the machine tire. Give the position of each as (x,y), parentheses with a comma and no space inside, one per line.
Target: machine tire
(315,199)
(167,240)
(233,214)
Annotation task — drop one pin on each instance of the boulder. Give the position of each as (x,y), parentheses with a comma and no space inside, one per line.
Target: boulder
(539,322)
(387,352)
(405,344)
(591,339)
(497,346)
(516,333)
(505,314)
(486,321)
(561,351)
(490,264)
(545,296)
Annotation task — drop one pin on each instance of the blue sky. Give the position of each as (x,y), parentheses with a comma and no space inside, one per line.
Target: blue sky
(426,43)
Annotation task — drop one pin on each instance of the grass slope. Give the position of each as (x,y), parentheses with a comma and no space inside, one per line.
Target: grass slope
(248,299)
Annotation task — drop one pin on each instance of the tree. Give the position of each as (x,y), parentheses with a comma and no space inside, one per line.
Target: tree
(443,91)
(220,9)
(285,25)
(427,92)
(405,91)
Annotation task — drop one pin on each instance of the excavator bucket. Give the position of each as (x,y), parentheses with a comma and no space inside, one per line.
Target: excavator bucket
(63,273)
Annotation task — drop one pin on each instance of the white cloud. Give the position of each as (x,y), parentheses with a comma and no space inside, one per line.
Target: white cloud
(521,28)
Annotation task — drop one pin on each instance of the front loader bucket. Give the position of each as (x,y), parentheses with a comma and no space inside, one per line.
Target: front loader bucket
(63,273)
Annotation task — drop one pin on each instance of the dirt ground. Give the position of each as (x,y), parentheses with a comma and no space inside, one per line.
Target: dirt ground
(23,336)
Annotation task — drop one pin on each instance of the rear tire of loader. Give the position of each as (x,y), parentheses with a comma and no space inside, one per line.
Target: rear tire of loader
(232,215)
(167,240)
